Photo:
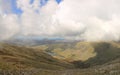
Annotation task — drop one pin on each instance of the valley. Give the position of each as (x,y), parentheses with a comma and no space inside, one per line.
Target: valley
(72,58)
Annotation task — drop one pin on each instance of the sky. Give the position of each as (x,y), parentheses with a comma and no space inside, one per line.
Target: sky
(19,11)
(89,20)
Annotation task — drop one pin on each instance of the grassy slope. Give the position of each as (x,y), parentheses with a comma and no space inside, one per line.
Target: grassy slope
(105,62)
(86,53)
(111,68)
(72,51)
(92,52)
(14,57)
(106,52)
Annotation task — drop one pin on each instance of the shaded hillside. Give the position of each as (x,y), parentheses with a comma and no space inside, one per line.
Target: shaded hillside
(106,52)
(14,57)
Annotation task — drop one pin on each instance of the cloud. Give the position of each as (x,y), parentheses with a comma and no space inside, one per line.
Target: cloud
(90,20)
(8,24)
(5,8)
(44,22)
(99,18)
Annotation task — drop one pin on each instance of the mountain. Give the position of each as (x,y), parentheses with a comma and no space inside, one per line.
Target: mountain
(105,52)
(79,53)
(20,57)
(70,58)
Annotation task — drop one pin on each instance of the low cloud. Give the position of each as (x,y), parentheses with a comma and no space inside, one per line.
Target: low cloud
(94,20)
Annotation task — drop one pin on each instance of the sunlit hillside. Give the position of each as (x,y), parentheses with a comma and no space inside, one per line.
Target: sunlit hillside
(83,51)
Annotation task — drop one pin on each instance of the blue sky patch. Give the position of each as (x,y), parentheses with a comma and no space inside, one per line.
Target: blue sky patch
(58,1)
(18,11)
(14,8)
(43,2)
(31,1)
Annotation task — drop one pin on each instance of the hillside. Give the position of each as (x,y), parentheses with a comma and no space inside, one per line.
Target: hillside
(16,57)
(106,52)
(77,58)
(68,51)
(80,53)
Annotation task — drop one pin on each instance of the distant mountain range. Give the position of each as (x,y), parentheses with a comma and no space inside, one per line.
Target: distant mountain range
(34,42)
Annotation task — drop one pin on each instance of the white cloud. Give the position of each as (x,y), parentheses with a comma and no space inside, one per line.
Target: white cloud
(8,26)
(8,23)
(91,20)
(99,18)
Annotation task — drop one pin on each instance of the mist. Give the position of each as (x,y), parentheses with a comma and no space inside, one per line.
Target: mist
(90,20)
